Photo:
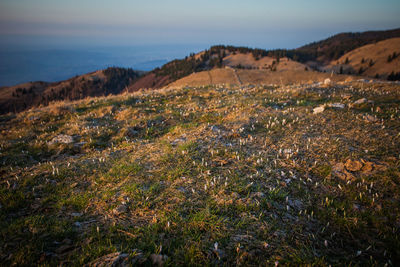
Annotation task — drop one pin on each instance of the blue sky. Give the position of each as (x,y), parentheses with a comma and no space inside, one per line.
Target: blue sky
(254,23)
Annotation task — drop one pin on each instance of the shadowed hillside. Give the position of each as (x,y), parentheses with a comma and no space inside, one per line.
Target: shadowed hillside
(99,83)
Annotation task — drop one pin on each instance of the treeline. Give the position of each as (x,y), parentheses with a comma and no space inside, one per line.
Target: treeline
(42,93)
(209,59)
(394,76)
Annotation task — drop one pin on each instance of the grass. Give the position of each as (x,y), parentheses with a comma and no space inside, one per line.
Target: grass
(252,169)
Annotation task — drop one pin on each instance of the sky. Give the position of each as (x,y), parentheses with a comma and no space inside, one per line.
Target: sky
(254,23)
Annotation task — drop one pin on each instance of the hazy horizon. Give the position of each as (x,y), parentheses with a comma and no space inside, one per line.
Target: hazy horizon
(264,24)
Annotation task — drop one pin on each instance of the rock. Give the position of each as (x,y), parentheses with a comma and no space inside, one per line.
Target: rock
(76,214)
(112,259)
(339,171)
(296,204)
(158,259)
(319,109)
(258,195)
(64,248)
(368,167)
(360,101)
(353,165)
(80,144)
(137,257)
(120,209)
(133,131)
(327,81)
(178,140)
(63,139)
(339,167)
(370,118)
(337,105)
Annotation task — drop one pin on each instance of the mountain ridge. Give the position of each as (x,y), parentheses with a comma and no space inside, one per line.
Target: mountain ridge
(313,56)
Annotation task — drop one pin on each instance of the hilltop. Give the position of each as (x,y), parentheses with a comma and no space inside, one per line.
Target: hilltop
(306,174)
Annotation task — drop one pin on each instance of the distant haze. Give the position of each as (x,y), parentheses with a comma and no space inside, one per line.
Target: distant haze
(19,64)
(189,25)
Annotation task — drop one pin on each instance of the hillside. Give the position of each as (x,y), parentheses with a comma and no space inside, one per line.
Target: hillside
(315,55)
(33,94)
(332,48)
(211,175)
(232,76)
(378,60)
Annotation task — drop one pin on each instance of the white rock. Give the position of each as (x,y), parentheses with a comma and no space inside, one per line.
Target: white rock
(319,109)
(360,101)
(337,105)
(327,81)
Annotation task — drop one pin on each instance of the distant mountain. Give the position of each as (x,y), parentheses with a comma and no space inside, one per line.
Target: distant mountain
(99,83)
(215,57)
(315,55)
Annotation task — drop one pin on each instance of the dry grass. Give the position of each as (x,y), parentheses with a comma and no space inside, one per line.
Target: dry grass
(377,52)
(210,175)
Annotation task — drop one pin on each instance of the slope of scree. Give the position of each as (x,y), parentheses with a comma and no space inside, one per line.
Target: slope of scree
(250,175)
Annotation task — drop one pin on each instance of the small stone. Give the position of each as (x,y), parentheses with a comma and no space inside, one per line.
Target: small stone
(158,259)
(178,140)
(360,101)
(338,167)
(319,109)
(353,165)
(370,118)
(133,131)
(368,167)
(327,81)
(64,248)
(120,209)
(76,214)
(62,138)
(112,259)
(258,195)
(337,105)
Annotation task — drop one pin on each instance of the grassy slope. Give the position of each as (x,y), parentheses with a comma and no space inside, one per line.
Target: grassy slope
(372,58)
(174,172)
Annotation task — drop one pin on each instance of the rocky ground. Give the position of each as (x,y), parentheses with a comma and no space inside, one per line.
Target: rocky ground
(250,175)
